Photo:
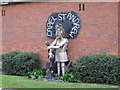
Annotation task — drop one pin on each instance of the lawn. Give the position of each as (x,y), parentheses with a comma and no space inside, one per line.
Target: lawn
(23,82)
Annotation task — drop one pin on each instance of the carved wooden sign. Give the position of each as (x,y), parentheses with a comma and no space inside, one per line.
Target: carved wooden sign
(69,20)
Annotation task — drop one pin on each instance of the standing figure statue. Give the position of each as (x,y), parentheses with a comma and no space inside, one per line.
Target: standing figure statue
(60,45)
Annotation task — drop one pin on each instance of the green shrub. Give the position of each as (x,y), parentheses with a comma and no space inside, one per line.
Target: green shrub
(19,63)
(70,77)
(101,68)
(37,74)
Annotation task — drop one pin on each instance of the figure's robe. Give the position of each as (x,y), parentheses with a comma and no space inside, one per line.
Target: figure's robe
(61,55)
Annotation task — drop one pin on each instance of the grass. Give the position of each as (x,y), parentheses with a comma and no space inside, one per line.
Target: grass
(23,82)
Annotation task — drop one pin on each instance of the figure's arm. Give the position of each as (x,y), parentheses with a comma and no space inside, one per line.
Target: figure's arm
(63,42)
(53,47)
(53,43)
(60,45)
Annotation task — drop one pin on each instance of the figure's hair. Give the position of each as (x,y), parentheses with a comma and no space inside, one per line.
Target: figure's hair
(61,29)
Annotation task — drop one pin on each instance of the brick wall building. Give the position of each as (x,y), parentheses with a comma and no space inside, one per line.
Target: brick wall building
(24,28)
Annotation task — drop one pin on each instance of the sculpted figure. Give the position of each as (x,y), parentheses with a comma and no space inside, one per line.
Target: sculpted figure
(60,45)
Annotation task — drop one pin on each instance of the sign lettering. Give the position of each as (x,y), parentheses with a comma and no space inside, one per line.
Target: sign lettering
(69,20)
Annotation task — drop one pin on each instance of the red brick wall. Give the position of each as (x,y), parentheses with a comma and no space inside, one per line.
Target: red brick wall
(24,28)
(119,28)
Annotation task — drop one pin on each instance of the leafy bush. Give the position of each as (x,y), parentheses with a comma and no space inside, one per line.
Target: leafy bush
(70,77)
(101,68)
(37,73)
(19,63)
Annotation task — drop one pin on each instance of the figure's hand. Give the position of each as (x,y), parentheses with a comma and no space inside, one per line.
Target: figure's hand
(50,56)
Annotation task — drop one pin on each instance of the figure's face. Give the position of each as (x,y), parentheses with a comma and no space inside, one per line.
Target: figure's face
(58,31)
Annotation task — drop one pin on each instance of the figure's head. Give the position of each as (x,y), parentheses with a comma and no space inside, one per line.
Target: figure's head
(59,31)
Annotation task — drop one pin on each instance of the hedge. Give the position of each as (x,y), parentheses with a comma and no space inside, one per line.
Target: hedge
(100,68)
(20,63)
